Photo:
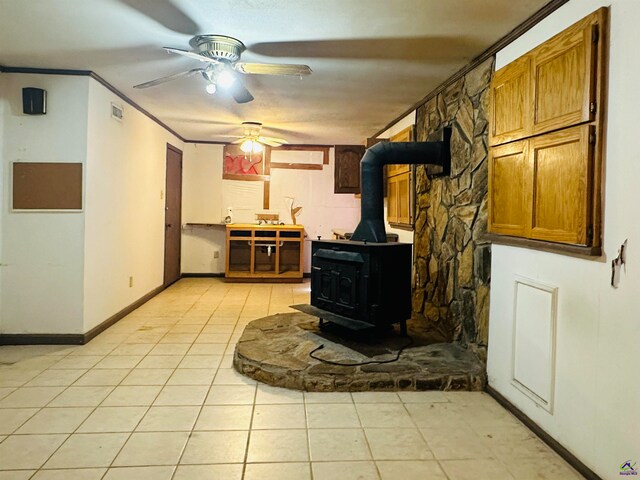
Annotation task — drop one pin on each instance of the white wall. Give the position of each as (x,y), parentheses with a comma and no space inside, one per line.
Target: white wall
(596,413)
(206,198)
(3,187)
(124,206)
(42,253)
(405,236)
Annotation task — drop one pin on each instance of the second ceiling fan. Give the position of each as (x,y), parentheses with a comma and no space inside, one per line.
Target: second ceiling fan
(222,57)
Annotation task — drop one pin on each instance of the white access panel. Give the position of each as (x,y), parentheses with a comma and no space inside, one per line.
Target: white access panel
(534,333)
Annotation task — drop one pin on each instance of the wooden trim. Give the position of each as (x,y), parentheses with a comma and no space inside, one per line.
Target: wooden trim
(266,194)
(98,329)
(75,338)
(207,142)
(297,166)
(308,148)
(250,178)
(577,250)
(543,435)
(520,30)
(41,339)
(203,275)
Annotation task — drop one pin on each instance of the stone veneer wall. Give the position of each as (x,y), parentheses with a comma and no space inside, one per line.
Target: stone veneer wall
(452,260)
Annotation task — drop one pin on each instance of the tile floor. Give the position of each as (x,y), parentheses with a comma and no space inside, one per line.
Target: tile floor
(155,397)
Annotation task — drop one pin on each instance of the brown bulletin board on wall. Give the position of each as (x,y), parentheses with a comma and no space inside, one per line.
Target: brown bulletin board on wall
(47,186)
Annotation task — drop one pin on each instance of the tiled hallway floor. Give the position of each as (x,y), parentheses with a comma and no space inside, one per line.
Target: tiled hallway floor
(155,397)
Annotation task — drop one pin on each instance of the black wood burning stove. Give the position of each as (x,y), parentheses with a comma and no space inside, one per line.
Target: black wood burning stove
(364,283)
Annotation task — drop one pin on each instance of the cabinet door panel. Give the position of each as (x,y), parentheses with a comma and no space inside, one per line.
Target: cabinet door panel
(562,163)
(564,71)
(511,102)
(392,200)
(510,189)
(347,168)
(404,199)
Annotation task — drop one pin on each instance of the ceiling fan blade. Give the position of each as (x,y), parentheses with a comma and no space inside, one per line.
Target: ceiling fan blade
(240,93)
(194,55)
(168,78)
(166,14)
(272,142)
(272,68)
(240,140)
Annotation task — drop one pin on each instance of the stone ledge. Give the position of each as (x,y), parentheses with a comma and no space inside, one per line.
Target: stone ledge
(275,350)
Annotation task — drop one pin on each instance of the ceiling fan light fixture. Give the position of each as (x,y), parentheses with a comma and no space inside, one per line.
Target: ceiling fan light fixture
(211,88)
(225,78)
(251,146)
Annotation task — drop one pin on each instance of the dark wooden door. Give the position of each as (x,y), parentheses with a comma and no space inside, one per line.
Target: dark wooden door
(347,168)
(172,217)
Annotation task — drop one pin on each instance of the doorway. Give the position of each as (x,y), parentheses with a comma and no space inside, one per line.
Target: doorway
(173,216)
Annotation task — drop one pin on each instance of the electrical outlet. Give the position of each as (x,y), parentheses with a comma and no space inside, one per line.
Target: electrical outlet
(130,282)
(216,254)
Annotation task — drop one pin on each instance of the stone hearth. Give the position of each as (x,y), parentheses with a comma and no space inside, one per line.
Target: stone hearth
(275,350)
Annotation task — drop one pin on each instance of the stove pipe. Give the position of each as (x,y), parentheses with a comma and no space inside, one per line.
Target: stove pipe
(371,226)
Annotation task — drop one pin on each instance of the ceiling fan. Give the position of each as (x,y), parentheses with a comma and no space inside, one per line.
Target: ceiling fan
(251,141)
(222,57)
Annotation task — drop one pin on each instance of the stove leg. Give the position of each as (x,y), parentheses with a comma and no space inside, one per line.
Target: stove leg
(403,328)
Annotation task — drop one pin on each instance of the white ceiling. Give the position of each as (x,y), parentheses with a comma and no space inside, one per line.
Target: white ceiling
(371,59)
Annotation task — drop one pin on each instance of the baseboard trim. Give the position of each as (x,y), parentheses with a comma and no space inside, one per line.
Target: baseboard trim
(75,338)
(203,275)
(556,446)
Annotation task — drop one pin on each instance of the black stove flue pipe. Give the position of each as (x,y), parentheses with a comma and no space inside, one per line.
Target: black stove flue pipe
(371,227)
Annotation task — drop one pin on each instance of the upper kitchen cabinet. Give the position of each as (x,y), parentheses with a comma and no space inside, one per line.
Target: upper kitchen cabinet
(347,168)
(554,86)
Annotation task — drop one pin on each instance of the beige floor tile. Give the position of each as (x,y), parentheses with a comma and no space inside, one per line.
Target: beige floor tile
(55,420)
(182,395)
(170,349)
(152,448)
(487,469)
(16,377)
(332,415)
(139,473)
(423,397)
(76,474)
(278,446)
(228,376)
(56,378)
(81,397)
(224,417)
(28,451)
(201,361)
(397,444)
(375,397)
(549,467)
(169,419)
(132,395)
(192,376)
(209,472)
(87,450)
(381,415)
(102,377)
(338,444)
(227,361)
(26,397)
(218,329)
(207,349)
(215,447)
(411,470)
(436,415)
(183,338)
(16,474)
(278,471)
(4,391)
(77,361)
(457,443)
(213,338)
(148,376)
(269,417)
(346,471)
(274,395)
(327,397)
(186,328)
(132,349)
(113,419)
(160,361)
(12,418)
(119,361)
(231,395)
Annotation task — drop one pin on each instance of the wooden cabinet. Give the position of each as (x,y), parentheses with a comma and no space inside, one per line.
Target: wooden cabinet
(546,137)
(541,188)
(400,191)
(265,252)
(553,86)
(347,168)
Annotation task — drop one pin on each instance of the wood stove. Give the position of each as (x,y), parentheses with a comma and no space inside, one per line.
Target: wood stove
(364,283)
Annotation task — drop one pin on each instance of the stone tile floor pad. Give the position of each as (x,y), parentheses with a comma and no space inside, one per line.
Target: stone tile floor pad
(155,397)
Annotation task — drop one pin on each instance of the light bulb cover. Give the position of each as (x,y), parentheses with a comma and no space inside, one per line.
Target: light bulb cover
(225,79)
(257,147)
(211,88)
(246,146)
